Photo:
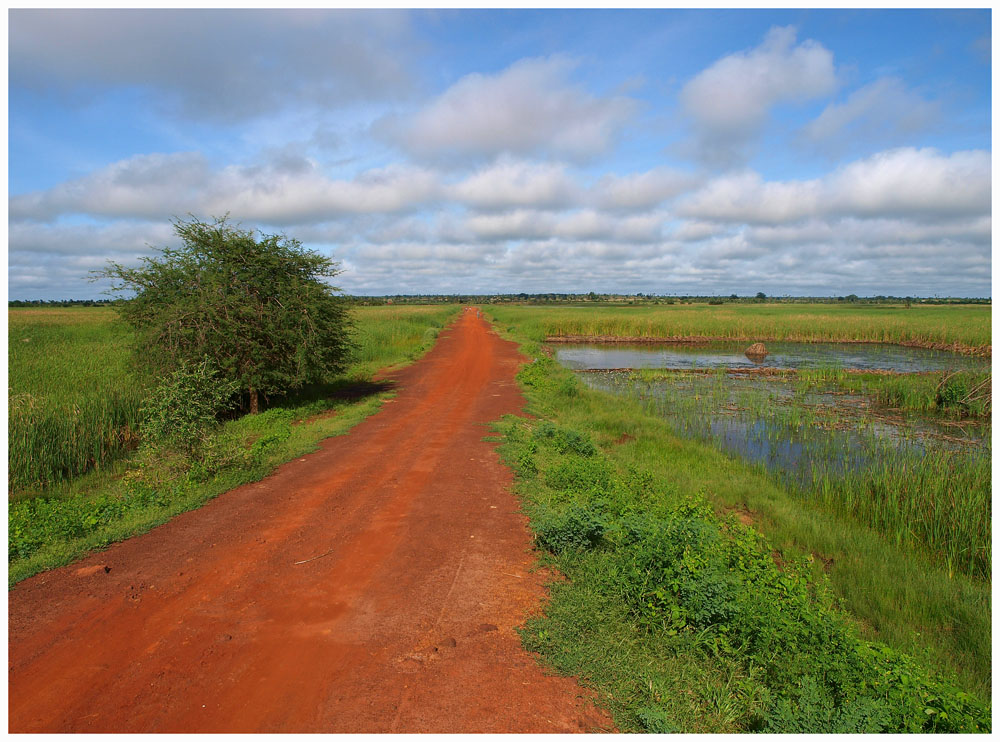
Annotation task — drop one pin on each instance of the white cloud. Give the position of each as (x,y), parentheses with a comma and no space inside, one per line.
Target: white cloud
(55,260)
(747,197)
(731,100)
(912,181)
(511,183)
(917,182)
(219,65)
(641,191)
(878,113)
(521,224)
(856,231)
(574,226)
(67,241)
(160,186)
(529,108)
(693,231)
(904,221)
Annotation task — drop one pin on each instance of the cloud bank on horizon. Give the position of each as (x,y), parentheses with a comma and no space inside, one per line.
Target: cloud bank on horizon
(689,152)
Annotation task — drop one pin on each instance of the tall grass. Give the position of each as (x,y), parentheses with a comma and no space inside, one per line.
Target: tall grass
(914,392)
(387,335)
(75,404)
(941,502)
(966,326)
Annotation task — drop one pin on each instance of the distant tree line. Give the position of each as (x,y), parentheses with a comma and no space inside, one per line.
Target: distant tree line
(580,299)
(59,302)
(647,299)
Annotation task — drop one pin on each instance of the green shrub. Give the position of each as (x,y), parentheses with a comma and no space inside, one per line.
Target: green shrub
(184,407)
(563,440)
(655,721)
(953,391)
(592,477)
(812,710)
(577,529)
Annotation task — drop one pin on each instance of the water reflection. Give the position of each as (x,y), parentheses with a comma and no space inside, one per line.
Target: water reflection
(869,356)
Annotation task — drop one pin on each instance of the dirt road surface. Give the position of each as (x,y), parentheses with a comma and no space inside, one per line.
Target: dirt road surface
(401,620)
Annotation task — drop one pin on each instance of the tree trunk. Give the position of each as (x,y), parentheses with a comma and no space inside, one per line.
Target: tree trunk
(254,405)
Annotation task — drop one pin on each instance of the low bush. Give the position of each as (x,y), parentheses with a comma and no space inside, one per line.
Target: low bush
(184,407)
(578,528)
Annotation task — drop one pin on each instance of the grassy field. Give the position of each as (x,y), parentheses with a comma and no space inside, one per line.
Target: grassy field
(968,326)
(75,404)
(129,495)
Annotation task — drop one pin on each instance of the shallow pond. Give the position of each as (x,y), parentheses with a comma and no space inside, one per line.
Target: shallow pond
(801,434)
(868,356)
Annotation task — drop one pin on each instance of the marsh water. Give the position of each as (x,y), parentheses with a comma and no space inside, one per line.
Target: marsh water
(867,356)
(803,433)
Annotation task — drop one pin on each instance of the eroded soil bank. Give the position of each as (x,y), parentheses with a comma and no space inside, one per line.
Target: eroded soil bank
(373,586)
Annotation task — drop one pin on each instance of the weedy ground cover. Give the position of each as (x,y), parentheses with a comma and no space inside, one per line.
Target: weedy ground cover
(52,526)
(683,621)
(969,326)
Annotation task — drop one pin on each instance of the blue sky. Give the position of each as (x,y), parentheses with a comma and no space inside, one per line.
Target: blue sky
(819,152)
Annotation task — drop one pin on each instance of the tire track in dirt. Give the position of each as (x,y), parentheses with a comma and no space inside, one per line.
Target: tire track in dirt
(400,617)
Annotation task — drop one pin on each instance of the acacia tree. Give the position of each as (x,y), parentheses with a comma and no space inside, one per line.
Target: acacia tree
(256,307)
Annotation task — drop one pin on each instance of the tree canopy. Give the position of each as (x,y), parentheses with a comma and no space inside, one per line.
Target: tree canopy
(256,307)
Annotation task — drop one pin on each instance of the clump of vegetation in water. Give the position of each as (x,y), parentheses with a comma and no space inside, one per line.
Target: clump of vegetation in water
(962,394)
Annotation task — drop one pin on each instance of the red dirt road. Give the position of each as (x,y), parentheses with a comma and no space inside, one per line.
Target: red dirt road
(404,624)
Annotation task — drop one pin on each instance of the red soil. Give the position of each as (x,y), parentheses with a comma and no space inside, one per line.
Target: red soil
(373,586)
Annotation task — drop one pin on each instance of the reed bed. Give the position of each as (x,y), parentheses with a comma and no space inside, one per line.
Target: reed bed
(965,327)
(73,403)
(961,394)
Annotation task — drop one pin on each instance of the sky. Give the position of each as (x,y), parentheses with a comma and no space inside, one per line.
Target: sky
(707,152)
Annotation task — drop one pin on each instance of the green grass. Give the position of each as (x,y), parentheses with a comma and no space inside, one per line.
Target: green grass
(653,680)
(75,403)
(54,526)
(967,326)
(926,392)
